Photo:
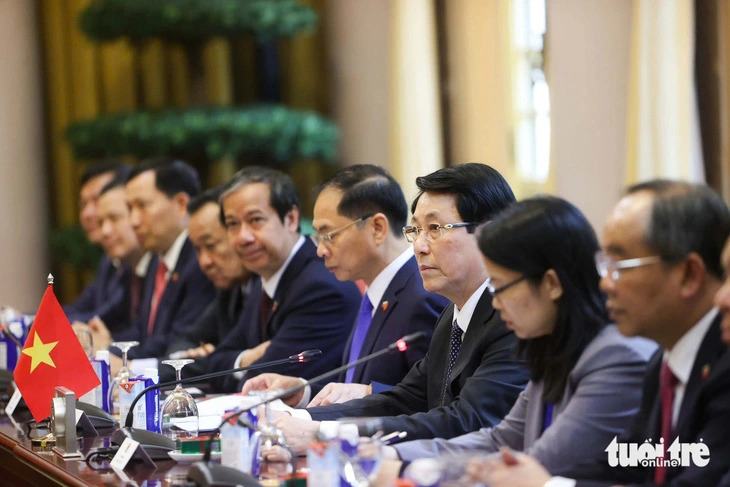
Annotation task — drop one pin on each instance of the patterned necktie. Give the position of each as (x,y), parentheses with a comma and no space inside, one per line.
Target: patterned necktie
(667,382)
(454,347)
(160,285)
(361,330)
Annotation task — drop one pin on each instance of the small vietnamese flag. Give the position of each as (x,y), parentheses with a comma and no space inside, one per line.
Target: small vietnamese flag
(52,356)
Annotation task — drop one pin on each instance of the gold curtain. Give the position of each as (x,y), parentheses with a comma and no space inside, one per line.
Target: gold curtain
(482,63)
(84,80)
(663,127)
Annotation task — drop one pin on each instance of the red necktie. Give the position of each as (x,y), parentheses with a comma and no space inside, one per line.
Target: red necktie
(667,382)
(160,284)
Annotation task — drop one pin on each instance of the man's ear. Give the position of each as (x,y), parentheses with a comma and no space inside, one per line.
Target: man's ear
(693,275)
(551,283)
(181,200)
(291,219)
(380,226)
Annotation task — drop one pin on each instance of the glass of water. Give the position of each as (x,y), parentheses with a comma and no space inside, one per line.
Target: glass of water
(180,412)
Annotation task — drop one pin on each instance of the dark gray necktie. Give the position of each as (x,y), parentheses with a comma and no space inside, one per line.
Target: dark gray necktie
(454,347)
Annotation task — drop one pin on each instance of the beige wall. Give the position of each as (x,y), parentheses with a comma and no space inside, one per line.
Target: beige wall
(23,227)
(588,70)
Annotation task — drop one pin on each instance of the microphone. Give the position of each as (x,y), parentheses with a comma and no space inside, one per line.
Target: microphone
(157,445)
(206,474)
(301,357)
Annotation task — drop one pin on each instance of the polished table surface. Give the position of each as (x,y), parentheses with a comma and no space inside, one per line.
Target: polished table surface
(21,466)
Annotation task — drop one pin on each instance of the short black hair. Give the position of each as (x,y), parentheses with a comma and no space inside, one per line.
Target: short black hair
(210,195)
(283,195)
(368,189)
(172,176)
(97,169)
(121,176)
(686,217)
(480,190)
(531,237)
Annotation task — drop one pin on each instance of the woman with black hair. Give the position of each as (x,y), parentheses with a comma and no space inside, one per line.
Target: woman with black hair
(585,377)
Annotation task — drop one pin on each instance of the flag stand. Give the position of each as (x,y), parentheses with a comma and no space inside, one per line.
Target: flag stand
(63,423)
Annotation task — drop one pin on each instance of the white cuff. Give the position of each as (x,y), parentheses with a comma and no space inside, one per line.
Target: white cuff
(306,396)
(559,482)
(238,375)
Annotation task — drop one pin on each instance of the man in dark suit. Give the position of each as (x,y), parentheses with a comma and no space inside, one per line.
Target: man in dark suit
(116,302)
(219,262)
(107,281)
(359,215)
(470,377)
(660,271)
(176,292)
(297,304)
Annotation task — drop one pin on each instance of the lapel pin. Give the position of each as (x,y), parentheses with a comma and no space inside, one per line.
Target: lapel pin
(274,306)
(384,305)
(175,277)
(705,371)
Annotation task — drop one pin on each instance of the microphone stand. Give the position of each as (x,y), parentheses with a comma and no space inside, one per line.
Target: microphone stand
(205,474)
(306,356)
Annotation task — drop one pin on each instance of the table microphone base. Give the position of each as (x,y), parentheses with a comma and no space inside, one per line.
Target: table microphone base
(210,474)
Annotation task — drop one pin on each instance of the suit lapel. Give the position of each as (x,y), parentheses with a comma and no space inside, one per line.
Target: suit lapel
(709,352)
(474,333)
(382,312)
(305,253)
(534,417)
(173,287)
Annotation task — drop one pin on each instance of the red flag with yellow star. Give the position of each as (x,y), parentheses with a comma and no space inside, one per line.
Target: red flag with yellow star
(52,356)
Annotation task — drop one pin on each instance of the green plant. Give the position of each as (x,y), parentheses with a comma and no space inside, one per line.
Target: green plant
(271,132)
(70,245)
(194,20)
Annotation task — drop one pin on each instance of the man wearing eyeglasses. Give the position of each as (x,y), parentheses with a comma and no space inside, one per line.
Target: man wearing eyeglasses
(298,304)
(660,270)
(358,215)
(470,376)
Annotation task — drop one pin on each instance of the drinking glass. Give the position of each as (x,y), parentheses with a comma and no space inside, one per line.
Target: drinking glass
(180,412)
(122,376)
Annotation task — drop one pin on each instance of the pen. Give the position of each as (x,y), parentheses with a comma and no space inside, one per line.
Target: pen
(393,437)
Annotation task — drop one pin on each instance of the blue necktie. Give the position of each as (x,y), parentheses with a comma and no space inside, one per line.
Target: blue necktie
(454,347)
(361,330)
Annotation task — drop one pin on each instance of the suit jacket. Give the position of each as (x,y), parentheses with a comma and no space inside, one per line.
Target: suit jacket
(108,297)
(409,309)
(703,415)
(216,322)
(312,309)
(485,381)
(187,294)
(590,409)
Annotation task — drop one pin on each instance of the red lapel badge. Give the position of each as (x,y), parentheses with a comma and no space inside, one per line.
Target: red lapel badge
(705,371)
(175,277)
(274,306)
(384,305)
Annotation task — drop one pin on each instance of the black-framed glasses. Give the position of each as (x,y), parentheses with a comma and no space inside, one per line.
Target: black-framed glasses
(495,291)
(432,230)
(607,266)
(326,238)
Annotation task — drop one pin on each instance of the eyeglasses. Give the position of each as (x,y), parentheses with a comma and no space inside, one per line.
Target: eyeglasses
(607,266)
(432,231)
(494,291)
(326,238)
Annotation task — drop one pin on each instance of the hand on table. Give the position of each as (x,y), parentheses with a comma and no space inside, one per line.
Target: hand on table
(336,392)
(100,333)
(270,382)
(512,469)
(299,433)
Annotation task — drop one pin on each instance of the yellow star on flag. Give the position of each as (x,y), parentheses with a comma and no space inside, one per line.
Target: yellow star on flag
(40,352)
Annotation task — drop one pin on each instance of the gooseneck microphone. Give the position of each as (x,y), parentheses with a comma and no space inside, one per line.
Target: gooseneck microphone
(201,470)
(155,445)
(301,357)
